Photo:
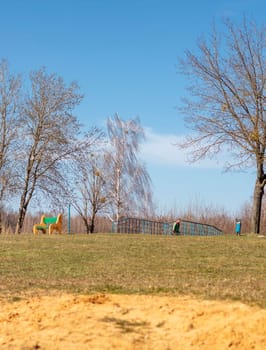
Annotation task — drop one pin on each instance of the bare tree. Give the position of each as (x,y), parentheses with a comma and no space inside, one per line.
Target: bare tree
(90,193)
(9,122)
(50,132)
(227,107)
(128,180)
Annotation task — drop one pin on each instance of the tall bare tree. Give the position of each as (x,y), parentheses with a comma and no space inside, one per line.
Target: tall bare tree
(9,123)
(128,180)
(227,107)
(50,132)
(89,195)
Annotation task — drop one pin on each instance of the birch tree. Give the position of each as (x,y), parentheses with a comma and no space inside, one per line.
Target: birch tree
(226,108)
(128,180)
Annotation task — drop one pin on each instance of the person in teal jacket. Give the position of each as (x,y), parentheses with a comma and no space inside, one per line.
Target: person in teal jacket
(176,227)
(238,227)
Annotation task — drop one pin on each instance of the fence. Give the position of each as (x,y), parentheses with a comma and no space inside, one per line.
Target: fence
(136,225)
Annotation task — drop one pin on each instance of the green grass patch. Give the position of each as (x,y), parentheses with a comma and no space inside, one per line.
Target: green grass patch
(224,267)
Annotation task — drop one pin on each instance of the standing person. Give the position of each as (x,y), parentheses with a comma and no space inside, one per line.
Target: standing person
(176,227)
(238,227)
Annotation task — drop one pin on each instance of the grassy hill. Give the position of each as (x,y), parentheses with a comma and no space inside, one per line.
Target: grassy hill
(223,267)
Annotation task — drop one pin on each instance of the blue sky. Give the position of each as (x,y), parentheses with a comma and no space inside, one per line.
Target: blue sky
(124,56)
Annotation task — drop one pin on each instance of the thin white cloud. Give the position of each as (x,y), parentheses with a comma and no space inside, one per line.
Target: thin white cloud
(161,149)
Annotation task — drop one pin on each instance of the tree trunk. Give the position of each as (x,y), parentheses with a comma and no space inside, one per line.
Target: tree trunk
(86,223)
(1,222)
(22,210)
(92,225)
(21,217)
(257,203)
(1,216)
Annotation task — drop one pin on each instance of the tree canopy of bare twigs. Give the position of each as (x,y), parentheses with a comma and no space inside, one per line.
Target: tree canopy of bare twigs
(129,184)
(51,136)
(112,179)
(227,105)
(89,194)
(46,157)
(9,123)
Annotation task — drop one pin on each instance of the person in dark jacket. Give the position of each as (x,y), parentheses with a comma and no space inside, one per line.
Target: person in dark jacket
(176,227)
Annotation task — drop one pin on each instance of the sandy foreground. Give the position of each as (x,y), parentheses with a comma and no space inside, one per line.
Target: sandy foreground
(65,321)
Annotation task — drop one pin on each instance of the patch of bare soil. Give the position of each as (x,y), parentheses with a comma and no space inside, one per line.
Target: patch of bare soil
(129,322)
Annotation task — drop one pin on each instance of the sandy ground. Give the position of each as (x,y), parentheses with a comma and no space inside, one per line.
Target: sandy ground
(129,322)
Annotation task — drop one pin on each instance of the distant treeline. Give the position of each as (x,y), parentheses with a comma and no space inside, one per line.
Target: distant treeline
(204,215)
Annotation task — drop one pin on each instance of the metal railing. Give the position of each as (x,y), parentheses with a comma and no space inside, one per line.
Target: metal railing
(136,225)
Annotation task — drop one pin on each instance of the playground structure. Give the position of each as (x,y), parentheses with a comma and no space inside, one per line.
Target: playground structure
(189,228)
(49,224)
